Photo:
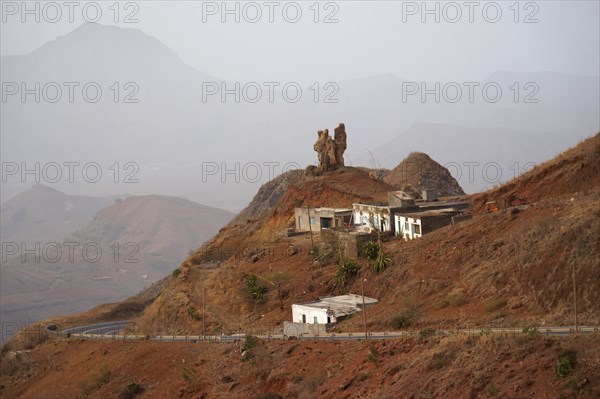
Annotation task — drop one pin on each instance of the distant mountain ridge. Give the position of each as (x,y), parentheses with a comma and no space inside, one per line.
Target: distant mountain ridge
(172,116)
(45,214)
(141,239)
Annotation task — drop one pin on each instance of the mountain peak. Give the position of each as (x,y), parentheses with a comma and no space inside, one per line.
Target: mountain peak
(94,43)
(418,171)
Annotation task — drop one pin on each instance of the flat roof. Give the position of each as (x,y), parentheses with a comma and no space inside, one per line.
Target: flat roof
(322,209)
(340,305)
(431,212)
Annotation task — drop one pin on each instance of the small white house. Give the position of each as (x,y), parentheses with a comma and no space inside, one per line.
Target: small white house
(413,225)
(329,310)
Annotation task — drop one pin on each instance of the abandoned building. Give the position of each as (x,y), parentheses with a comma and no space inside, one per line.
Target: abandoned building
(429,216)
(329,310)
(315,219)
(401,216)
(413,225)
(380,217)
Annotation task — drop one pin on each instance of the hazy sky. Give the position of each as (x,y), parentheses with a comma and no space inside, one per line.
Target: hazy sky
(370,37)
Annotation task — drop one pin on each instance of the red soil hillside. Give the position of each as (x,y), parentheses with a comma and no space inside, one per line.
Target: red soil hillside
(272,209)
(509,268)
(454,367)
(575,170)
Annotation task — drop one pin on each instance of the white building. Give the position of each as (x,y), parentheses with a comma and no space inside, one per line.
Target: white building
(414,224)
(370,217)
(380,217)
(329,310)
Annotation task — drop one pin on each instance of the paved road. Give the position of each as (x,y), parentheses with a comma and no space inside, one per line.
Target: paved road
(108,328)
(110,331)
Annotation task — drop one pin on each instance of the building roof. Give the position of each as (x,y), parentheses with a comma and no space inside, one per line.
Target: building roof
(401,195)
(326,209)
(341,305)
(383,205)
(429,213)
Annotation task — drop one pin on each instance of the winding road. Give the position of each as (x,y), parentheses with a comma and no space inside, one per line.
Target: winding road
(112,331)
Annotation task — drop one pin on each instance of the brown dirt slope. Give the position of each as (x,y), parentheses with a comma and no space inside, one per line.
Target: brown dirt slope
(242,239)
(452,367)
(510,268)
(575,170)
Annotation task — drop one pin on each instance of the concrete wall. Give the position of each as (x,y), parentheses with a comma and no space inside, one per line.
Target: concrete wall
(431,223)
(398,202)
(311,314)
(410,232)
(302,221)
(417,226)
(296,329)
(301,218)
(373,216)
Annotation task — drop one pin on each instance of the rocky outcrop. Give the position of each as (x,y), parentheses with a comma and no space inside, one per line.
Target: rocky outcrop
(339,136)
(419,172)
(330,151)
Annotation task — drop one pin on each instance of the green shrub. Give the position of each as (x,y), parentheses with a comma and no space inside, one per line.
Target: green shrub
(565,363)
(410,313)
(456,299)
(131,390)
(381,262)
(493,391)
(492,305)
(250,342)
(347,270)
(193,313)
(176,273)
(374,251)
(373,355)
(400,321)
(269,395)
(438,361)
(530,330)
(258,292)
(369,250)
(185,374)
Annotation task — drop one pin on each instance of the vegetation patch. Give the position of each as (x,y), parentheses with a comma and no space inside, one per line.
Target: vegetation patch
(439,360)
(493,305)
(456,299)
(369,250)
(176,273)
(131,390)
(531,331)
(258,291)
(193,313)
(347,270)
(95,382)
(565,364)
(186,375)
(410,313)
(373,355)
(374,252)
